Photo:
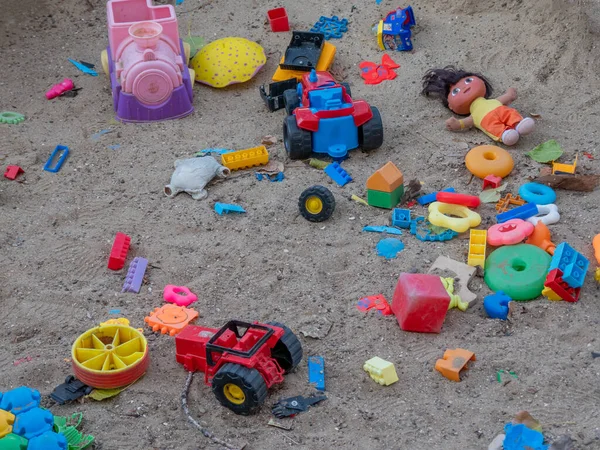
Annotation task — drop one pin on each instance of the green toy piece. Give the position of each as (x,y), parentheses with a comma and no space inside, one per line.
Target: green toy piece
(68,427)
(11,117)
(386,200)
(13,442)
(518,270)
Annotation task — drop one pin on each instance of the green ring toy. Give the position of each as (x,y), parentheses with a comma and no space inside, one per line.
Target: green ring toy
(518,270)
(11,117)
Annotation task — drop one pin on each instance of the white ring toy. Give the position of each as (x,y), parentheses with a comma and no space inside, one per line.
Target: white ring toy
(548,214)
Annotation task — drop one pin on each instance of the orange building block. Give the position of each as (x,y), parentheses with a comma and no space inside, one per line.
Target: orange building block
(170,318)
(453,362)
(504,203)
(387,179)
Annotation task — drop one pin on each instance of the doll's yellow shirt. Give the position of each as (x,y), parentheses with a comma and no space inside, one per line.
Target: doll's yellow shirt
(481,107)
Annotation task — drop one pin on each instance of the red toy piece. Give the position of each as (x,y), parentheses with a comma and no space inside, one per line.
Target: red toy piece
(60,88)
(13,172)
(375,73)
(470,201)
(240,361)
(420,302)
(555,282)
(278,19)
(118,254)
(491,181)
(375,301)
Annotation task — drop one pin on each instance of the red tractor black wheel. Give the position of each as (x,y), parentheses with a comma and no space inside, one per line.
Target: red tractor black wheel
(288,350)
(239,388)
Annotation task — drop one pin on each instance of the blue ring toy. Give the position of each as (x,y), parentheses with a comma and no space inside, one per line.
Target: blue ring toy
(537,193)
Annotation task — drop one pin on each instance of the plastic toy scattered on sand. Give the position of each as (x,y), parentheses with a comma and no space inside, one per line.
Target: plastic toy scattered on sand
(179,295)
(278,19)
(288,407)
(381,371)
(228,208)
(316,203)
(331,27)
(377,302)
(56,159)
(170,318)
(393,32)
(12,172)
(374,73)
(389,247)
(305,52)
(11,117)
(193,174)
(316,372)
(228,61)
(453,362)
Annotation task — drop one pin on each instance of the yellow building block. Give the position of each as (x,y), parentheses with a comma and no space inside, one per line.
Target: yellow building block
(477,246)
(6,421)
(597,275)
(380,370)
(325,61)
(551,295)
(244,159)
(564,168)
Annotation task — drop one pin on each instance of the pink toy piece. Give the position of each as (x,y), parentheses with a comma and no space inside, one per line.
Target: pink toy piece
(510,232)
(180,295)
(60,88)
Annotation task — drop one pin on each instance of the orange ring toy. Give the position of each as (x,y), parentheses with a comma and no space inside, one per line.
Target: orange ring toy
(489,160)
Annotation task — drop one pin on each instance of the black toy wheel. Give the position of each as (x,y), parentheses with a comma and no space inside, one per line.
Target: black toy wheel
(298,142)
(370,135)
(316,203)
(290,101)
(88,390)
(240,389)
(288,350)
(69,379)
(347,86)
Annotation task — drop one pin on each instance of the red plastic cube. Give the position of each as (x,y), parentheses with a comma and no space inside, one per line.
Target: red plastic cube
(420,302)
(491,181)
(278,19)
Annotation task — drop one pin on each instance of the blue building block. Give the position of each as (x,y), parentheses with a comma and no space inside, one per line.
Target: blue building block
(52,166)
(401,218)
(331,27)
(382,229)
(496,305)
(34,422)
(20,400)
(337,174)
(572,264)
(430,198)
(265,176)
(316,372)
(522,212)
(519,437)
(226,208)
(48,441)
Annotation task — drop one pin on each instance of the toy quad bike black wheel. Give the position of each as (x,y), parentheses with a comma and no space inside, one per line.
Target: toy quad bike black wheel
(316,203)
(288,350)
(239,388)
(370,134)
(298,142)
(290,101)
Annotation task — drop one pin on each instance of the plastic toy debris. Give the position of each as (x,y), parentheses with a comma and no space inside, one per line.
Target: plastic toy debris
(20,400)
(305,50)
(558,168)
(455,300)
(500,372)
(13,172)
(470,201)
(420,302)
(289,407)
(135,275)
(273,178)
(430,198)
(374,73)
(337,174)
(381,371)
(33,423)
(520,437)
(179,295)
(375,301)
(401,218)
(316,372)
(60,88)
(393,32)
(430,233)
(491,181)
(547,214)
(463,273)
(453,362)
(57,158)
(385,187)
(244,159)
(504,203)
(537,193)
(521,212)
(193,174)
(559,287)
(67,426)
(278,19)
(389,248)
(110,356)
(496,305)
(571,263)
(118,253)
(382,229)
(316,203)
(477,248)
(487,160)
(210,151)
(462,217)
(518,270)
(510,232)
(274,98)
(84,68)
(48,440)
(71,390)
(170,318)
(228,208)
(11,117)
(331,27)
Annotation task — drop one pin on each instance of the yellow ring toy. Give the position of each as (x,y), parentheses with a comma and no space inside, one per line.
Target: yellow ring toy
(489,160)
(466,218)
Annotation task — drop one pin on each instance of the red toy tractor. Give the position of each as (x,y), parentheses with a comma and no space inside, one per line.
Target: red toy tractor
(241,361)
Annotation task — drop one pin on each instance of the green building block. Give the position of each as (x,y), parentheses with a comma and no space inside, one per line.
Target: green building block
(13,442)
(385,199)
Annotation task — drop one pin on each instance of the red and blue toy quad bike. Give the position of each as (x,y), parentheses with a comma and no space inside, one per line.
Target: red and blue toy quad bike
(241,361)
(323,118)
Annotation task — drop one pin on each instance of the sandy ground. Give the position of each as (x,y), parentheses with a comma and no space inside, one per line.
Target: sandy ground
(56,230)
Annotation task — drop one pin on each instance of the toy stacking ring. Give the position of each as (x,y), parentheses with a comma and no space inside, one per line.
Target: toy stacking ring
(547,214)
(537,193)
(518,270)
(465,217)
(489,160)
(508,233)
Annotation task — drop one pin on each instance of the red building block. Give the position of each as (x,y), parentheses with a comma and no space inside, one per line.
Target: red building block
(13,172)
(491,181)
(420,302)
(555,282)
(118,254)
(278,19)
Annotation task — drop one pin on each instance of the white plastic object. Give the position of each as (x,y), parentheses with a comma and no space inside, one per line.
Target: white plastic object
(193,174)
(547,214)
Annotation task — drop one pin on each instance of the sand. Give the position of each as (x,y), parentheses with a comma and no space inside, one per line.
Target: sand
(56,230)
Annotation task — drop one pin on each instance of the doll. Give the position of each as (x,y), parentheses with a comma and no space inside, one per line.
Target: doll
(468,94)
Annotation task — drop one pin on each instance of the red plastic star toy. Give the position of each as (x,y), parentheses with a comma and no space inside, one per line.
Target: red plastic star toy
(376,73)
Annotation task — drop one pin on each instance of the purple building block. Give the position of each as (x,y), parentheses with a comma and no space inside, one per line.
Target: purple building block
(135,275)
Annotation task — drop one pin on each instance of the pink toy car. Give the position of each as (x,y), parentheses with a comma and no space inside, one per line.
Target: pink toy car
(147,62)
